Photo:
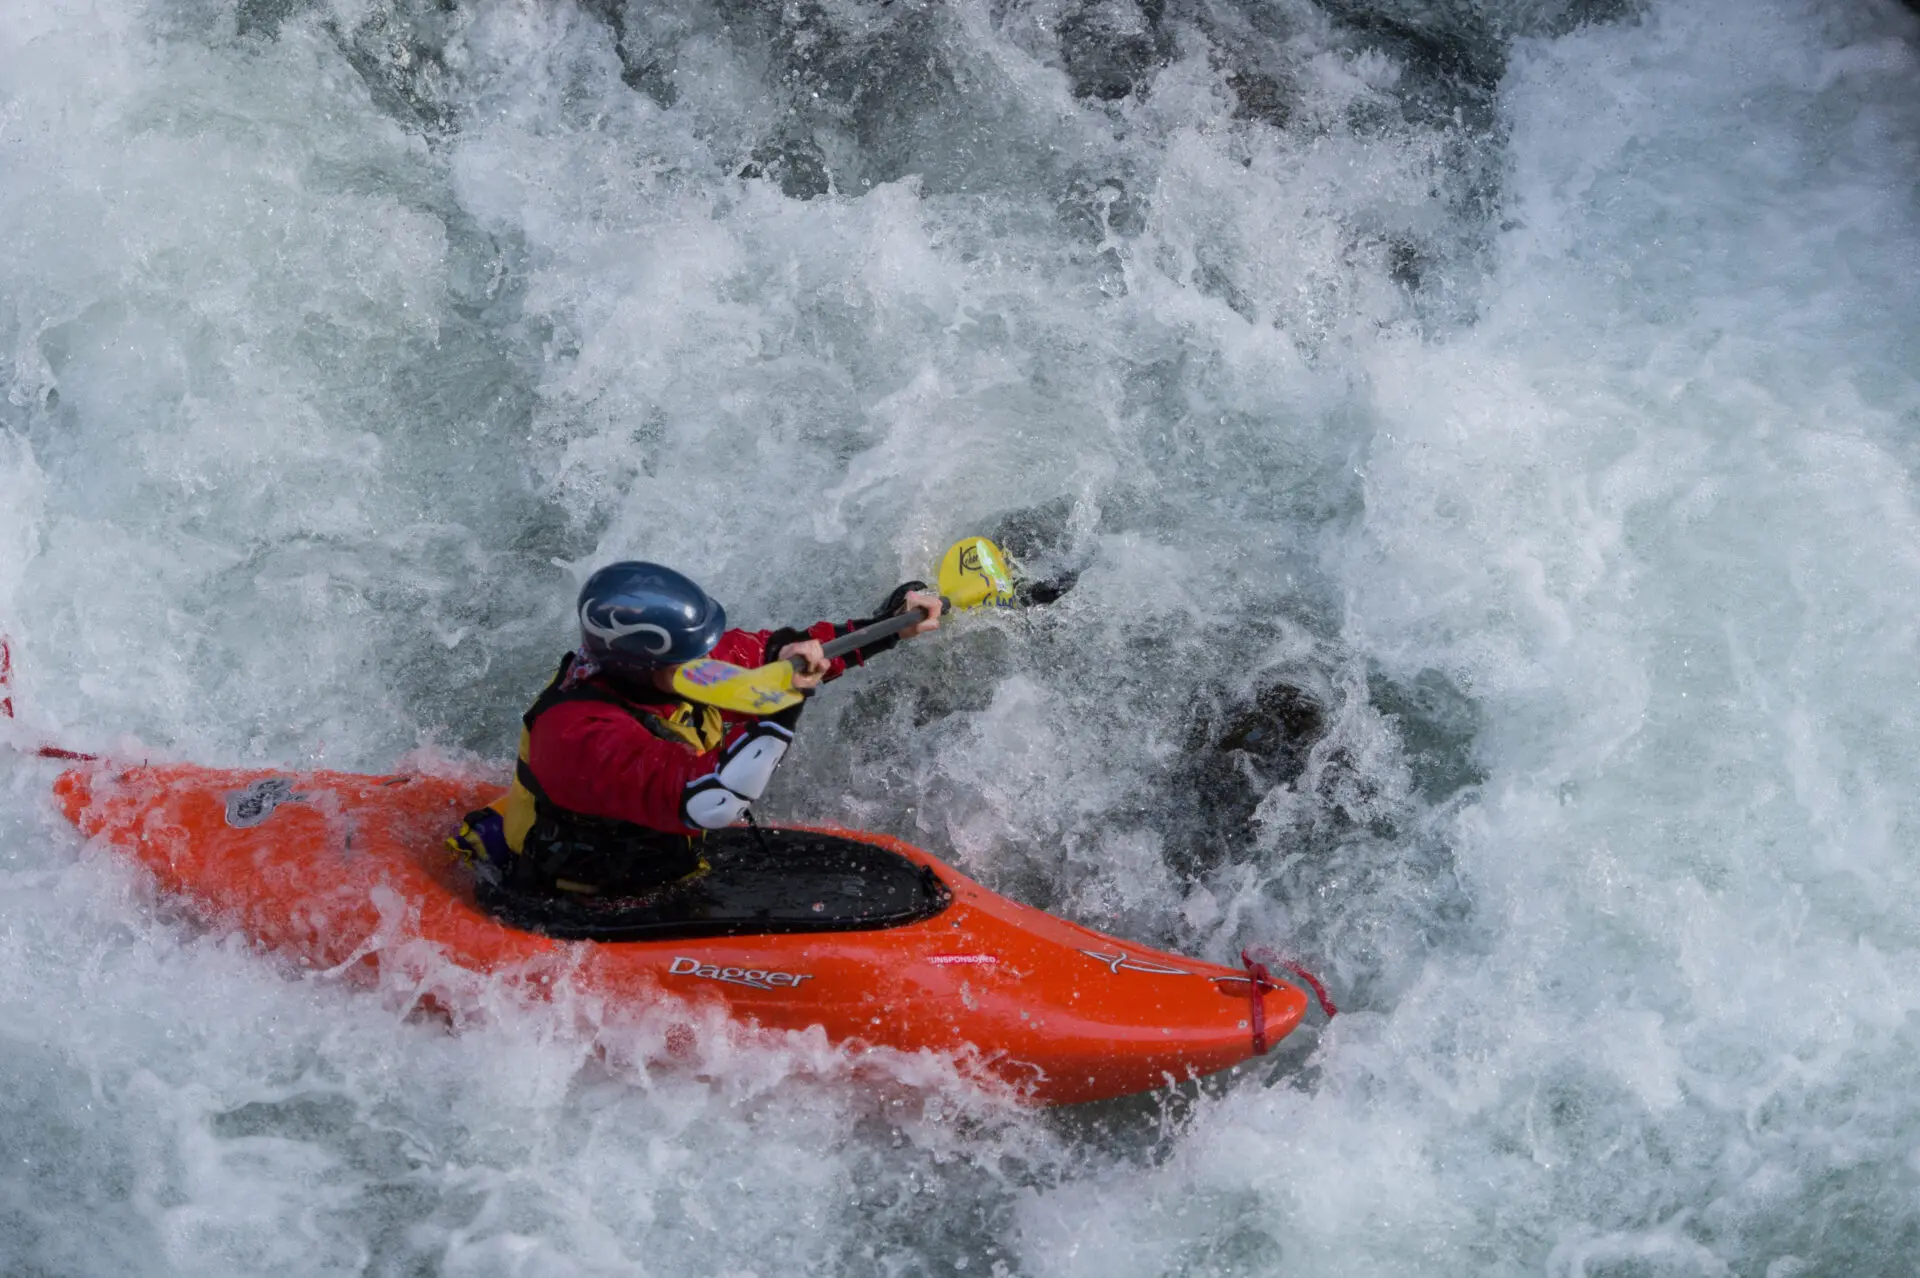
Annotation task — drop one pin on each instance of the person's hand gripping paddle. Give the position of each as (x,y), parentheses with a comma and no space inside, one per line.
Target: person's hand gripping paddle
(973,574)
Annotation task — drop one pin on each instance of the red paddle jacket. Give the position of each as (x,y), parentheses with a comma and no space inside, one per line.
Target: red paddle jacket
(598,760)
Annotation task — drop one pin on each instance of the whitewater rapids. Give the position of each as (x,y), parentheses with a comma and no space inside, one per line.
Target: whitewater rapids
(1487,435)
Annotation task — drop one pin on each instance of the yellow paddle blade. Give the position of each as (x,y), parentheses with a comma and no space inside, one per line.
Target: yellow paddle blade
(763,690)
(974,573)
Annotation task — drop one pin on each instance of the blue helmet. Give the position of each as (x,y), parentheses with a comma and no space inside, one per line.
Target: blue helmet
(639,616)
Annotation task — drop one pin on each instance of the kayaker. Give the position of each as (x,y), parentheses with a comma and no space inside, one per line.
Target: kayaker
(618,778)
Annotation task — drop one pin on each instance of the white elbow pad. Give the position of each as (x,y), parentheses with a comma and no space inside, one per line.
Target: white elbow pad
(720,798)
(711,806)
(748,764)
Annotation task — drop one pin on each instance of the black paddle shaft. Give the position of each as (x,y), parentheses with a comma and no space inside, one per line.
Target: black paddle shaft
(867,634)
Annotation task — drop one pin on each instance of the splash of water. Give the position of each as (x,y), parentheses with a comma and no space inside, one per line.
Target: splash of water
(1484,433)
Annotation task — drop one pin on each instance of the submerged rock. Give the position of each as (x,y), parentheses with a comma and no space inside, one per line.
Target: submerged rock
(1040,541)
(1237,749)
(798,167)
(1275,732)
(1112,47)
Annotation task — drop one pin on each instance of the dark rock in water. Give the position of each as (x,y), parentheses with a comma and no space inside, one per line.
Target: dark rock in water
(399,53)
(875,86)
(1259,96)
(642,65)
(1045,592)
(1035,532)
(1444,41)
(798,166)
(1276,732)
(1241,747)
(1406,263)
(263,17)
(1455,51)
(806,49)
(1112,47)
(1214,278)
(1094,209)
(1238,748)
(1039,540)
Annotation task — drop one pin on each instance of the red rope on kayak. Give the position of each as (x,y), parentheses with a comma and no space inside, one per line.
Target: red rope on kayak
(1313,983)
(1256,961)
(1262,981)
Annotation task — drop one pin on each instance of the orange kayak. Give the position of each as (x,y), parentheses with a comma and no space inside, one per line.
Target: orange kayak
(875,941)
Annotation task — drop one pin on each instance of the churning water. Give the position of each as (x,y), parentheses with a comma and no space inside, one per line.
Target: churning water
(1487,434)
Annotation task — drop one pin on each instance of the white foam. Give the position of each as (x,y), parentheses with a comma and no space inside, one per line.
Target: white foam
(306,400)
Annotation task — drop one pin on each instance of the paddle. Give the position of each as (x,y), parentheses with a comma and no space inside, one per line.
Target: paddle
(973,574)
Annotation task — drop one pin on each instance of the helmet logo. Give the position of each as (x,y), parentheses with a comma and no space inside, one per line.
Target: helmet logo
(617,630)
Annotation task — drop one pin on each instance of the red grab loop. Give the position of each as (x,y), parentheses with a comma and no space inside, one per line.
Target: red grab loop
(1313,983)
(1263,980)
